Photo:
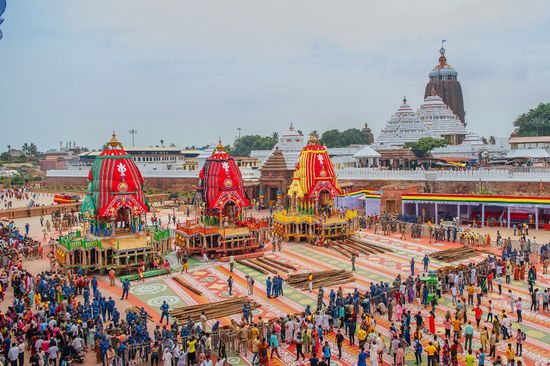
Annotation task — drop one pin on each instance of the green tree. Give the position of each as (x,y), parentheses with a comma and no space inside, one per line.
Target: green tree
(352,136)
(331,138)
(536,122)
(335,138)
(247,143)
(422,147)
(30,149)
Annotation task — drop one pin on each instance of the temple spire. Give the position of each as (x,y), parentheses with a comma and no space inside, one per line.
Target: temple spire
(220,147)
(114,141)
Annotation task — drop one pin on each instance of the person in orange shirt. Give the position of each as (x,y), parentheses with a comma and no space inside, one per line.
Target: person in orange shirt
(112,277)
(431,351)
(457,327)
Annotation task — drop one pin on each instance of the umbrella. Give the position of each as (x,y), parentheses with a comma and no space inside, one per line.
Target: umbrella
(5,219)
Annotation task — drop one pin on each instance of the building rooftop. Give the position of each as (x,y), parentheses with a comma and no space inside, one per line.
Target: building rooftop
(528,153)
(528,139)
(366,152)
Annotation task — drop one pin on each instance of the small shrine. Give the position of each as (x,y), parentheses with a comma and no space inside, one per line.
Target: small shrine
(310,213)
(221,227)
(114,233)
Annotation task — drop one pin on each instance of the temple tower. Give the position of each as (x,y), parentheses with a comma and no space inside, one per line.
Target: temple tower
(443,79)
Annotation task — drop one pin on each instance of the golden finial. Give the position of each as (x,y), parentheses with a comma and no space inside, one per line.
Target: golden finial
(220,147)
(442,58)
(313,139)
(114,142)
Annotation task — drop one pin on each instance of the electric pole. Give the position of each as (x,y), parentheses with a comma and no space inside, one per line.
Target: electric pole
(239,132)
(132,132)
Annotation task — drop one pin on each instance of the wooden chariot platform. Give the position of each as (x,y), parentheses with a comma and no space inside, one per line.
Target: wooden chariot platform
(121,252)
(306,227)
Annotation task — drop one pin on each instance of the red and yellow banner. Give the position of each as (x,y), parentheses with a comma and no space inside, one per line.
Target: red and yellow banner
(476,198)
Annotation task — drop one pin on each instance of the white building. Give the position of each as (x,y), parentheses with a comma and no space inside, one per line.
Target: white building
(433,119)
(290,144)
(473,148)
(147,158)
(404,126)
(440,120)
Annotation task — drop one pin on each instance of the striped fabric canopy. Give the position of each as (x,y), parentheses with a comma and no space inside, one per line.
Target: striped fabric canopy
(220,181)
(114,182)
(314,173)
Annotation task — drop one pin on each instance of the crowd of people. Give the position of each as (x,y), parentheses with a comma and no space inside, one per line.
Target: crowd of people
(8,196)
(56,317)
(409,307)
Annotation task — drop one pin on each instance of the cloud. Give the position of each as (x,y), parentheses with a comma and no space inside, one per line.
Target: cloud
(194,70)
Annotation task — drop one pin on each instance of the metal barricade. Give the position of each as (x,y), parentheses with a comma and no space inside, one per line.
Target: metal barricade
(136,354)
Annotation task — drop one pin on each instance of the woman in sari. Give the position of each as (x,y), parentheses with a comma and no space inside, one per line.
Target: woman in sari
(431,323)
(398,312)
(454,353)
(446,354)
(516,273)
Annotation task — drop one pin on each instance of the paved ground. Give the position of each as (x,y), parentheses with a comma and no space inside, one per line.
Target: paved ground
(210,279)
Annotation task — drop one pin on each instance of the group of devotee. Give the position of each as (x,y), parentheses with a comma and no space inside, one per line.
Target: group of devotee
(9,195)
(55,318)
(409,307)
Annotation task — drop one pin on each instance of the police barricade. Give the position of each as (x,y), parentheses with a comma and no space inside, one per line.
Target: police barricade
(222,343)
(30,252)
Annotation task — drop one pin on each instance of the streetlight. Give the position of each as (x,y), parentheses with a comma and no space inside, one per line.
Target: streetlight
(132,132)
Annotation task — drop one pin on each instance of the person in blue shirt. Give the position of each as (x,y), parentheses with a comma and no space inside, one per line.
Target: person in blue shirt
(110,307)
(104,347)
(314,361)
(326,353)
(121,352)
(164,309)
(481,357)
(426,262)
(246,311)
(275,287)
(125,289)
(362,357)
(94,286)
(268,285)
(407,335)
(412,266)
(103,307)
(418,352)
(95,308)
(116,316)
